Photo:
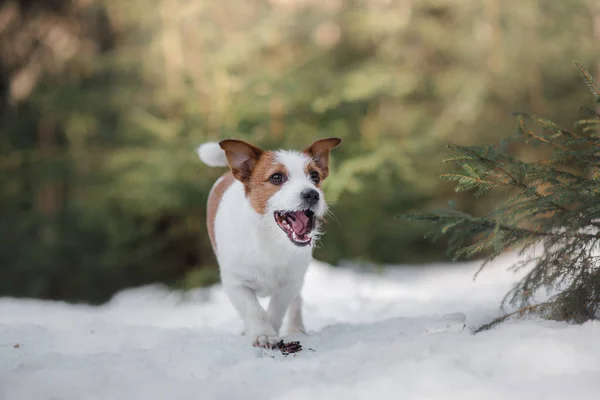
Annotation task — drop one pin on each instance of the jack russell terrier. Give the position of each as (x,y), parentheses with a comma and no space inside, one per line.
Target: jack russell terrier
(263,218)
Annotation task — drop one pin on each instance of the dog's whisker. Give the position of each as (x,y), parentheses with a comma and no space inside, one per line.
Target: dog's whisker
(330,213)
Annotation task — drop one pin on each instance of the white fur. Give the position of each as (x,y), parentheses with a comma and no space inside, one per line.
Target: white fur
(257,259)
(212,155)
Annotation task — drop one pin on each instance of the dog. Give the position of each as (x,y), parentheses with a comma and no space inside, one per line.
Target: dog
(263,218)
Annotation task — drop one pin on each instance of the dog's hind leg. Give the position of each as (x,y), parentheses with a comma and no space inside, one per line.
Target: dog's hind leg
(295,323)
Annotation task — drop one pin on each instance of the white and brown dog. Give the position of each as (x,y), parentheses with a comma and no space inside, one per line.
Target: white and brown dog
(263,218)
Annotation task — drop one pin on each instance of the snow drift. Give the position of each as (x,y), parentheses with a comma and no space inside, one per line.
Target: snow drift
(403,333)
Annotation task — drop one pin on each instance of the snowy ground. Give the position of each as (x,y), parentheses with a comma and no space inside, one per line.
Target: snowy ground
(396,335)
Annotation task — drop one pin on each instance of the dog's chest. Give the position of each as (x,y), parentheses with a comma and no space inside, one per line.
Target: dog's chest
(268,277)
(263,267)
(250,252)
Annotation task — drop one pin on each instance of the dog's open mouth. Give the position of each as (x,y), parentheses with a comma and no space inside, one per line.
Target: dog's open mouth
(298,225)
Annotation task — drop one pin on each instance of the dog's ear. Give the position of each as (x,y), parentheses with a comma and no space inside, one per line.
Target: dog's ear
(242,157)
(319,151)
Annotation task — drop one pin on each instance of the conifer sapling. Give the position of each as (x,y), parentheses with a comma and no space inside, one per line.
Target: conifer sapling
(553,203)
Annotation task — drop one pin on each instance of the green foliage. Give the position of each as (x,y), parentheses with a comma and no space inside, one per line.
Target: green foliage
(104,102)
(553,203)
(199,277)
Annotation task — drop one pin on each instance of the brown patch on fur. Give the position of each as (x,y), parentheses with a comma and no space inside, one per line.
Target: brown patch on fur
(259,189)
(312,166)
(241,157)
(319,152)
(214,199)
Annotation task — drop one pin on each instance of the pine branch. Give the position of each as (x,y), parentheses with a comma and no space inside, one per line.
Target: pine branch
(521,311)
(546,124)
(491,224)
(497,166)
(539,138)
(589,81)
(592,112)
(561,150)
(464,179)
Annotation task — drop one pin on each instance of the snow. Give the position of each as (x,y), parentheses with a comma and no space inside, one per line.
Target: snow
(398,334)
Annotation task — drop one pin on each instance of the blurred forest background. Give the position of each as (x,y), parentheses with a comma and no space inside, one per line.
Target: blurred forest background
(103,103)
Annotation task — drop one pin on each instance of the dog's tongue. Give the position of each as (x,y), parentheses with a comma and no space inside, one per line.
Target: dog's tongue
(299,222)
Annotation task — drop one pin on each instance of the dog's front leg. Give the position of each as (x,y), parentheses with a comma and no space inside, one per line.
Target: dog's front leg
(258,326)
(295,322)
(279,304)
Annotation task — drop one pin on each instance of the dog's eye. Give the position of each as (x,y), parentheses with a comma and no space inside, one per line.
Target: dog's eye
(315,177)
(276,179)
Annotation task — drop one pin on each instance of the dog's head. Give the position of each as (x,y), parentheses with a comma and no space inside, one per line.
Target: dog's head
(284,186)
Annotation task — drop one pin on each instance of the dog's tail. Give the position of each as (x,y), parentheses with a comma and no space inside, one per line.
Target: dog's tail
(212,154)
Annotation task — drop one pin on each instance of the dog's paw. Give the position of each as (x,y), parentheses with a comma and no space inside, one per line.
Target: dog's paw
(266,342)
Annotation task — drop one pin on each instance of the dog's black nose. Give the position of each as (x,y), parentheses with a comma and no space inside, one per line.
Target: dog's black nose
(310,196)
